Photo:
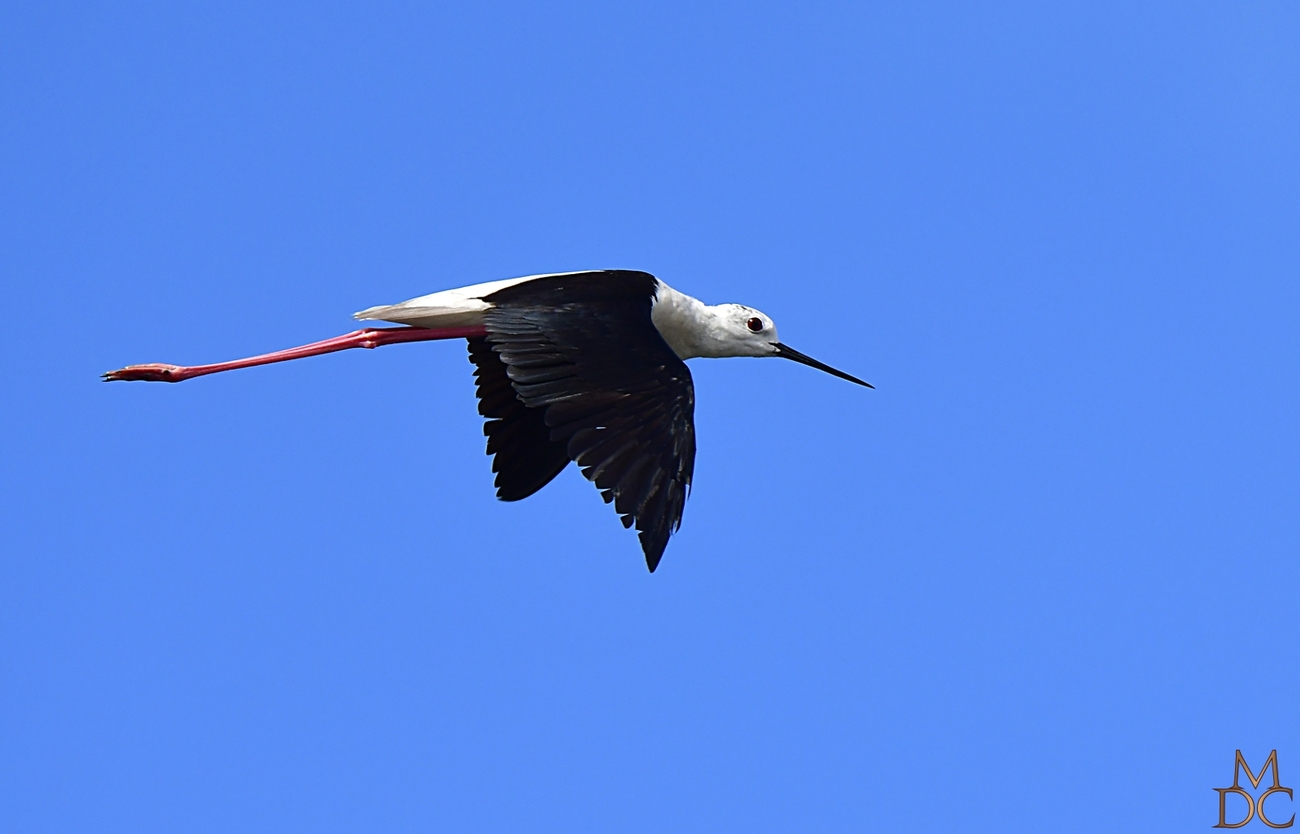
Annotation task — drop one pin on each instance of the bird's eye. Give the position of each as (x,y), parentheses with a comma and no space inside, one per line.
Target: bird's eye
(755,324)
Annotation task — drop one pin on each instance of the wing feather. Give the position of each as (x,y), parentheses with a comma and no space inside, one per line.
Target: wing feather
(524,457)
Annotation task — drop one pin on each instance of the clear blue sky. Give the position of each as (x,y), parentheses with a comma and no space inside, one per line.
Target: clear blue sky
(1044,578)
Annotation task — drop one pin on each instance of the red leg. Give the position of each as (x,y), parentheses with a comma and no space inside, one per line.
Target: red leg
(371,337)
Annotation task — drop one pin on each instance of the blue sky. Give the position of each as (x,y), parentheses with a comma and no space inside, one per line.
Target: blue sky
(1044,576)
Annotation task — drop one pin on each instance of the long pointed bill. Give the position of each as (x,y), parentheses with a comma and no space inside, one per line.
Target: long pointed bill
(786,352)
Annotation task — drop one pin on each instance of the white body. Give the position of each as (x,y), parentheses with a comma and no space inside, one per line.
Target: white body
(689,326)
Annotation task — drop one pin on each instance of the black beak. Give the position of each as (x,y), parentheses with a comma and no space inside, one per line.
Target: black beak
(790,353)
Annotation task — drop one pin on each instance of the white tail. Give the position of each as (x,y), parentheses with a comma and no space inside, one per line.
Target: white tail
(461,307)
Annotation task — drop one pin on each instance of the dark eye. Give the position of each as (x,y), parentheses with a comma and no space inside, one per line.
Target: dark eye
(755,324)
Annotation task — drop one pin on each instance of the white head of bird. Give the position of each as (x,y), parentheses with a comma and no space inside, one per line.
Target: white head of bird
(725,330)
(694,329)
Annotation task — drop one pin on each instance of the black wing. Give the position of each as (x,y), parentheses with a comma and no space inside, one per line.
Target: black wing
(581,351)
(523,454)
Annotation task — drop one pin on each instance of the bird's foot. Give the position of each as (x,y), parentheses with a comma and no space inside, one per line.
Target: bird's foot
(155,372)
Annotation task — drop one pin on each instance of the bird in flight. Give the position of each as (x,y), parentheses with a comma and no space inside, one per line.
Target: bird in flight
(577,366)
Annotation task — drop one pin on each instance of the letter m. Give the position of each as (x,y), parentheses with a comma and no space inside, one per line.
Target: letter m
(1241,765)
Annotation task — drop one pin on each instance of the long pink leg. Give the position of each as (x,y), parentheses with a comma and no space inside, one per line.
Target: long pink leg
(371,337)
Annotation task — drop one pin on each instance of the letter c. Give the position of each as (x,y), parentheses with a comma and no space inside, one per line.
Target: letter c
(1260,804)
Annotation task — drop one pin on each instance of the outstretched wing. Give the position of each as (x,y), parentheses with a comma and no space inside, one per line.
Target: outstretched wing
(581,349)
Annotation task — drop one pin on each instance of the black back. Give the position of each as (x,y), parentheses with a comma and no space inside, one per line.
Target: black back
(592,382)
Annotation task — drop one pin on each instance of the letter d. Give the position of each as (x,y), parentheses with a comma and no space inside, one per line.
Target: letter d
(1223,808)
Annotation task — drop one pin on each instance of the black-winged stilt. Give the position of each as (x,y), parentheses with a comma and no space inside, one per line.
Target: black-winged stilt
(578,366)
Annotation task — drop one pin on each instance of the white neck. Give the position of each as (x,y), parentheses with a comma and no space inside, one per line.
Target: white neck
(691,328)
